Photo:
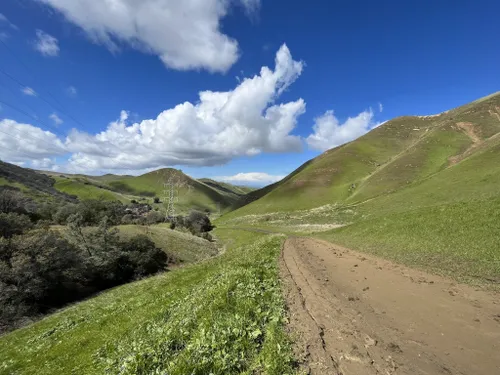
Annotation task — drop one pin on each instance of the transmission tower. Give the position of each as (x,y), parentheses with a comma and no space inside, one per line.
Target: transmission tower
(170,197)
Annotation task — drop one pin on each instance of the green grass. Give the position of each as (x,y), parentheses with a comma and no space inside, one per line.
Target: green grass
(459,240)
(184,247)
(5,182)
(222,316)
(399,196)
(83,191)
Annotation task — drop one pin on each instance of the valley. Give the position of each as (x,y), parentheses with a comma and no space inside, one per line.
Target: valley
(380,256)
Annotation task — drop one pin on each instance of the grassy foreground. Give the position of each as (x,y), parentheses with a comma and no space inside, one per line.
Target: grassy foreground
(222,316)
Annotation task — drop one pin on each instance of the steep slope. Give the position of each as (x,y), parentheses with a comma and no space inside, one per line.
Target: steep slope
(397,154)
(31,182)
(423,191)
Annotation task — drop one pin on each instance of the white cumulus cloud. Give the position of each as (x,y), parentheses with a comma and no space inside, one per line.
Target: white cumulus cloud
(328,132)
(252,178)
(183,34)
(46,44)
(57,120)
(20,142)
(28,91)
(45,164)
(219,127)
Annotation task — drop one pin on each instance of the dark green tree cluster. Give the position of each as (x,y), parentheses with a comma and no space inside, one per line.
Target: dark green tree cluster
(43,269)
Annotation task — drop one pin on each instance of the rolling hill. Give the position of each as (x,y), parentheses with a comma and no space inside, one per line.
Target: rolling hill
(424,190)
(203,194)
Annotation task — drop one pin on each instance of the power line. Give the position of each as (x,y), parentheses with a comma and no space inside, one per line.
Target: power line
(61,107)
(31,116)
(26,67)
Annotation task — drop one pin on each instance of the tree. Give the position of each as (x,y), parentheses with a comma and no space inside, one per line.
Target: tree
(198,222)
(145,258)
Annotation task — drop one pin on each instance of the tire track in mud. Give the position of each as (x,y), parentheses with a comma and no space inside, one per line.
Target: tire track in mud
(356,314)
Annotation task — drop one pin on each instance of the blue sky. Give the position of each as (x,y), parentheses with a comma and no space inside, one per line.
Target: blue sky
(87,87)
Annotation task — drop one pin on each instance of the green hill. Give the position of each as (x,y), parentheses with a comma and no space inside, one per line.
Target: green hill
(203,194)
(424,190)
(30,182)
(224,187)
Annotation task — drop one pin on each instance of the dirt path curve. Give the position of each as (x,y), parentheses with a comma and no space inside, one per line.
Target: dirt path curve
(356,314)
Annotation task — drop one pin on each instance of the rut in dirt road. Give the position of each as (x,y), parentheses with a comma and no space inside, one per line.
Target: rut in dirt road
(356,314)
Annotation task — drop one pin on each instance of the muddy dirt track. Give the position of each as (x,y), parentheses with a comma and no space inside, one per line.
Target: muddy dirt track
(354,314)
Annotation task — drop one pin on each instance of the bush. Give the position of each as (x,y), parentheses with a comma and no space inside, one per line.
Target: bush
(12,201)
(198,222)
(154,217)
(12,224)
(62,214)
(156,200)
(128,219)
(144,257)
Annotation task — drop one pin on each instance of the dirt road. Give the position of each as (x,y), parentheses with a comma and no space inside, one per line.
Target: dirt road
(355,315)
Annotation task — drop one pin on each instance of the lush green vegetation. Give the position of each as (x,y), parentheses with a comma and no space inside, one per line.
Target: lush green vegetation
(221,316)
(457,239)
(423,191)
(182,246)
(87,191)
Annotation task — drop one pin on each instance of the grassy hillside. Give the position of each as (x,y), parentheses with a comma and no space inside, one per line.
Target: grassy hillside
(86,191)
(421,190)
(401,152)
(192,194)
(226,188)
(30,182)
(221,316)
(185,247)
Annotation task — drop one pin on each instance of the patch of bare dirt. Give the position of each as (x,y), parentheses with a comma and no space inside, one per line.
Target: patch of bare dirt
(357,314)
(470,131)
(495,114)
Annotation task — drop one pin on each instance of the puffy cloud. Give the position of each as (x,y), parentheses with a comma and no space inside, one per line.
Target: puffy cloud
(184,34)
(21,142)
(219,127)
(72,91)
(28,91)
(57,120)
(253,178)
(45,164)
(46,44)
(329,132)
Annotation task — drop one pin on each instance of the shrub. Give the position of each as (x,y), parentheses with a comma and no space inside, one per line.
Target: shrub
(198,222)
(144,257)
(12,224)
(156,200)
(154,217)
(12,201)
(62,214)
